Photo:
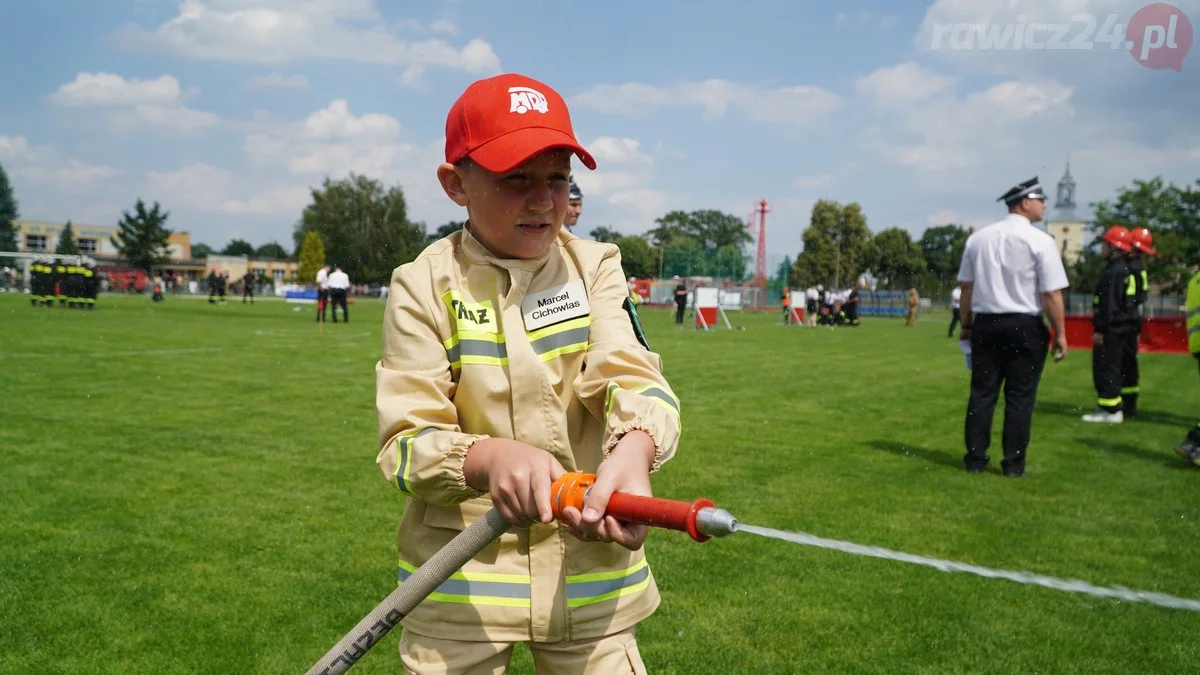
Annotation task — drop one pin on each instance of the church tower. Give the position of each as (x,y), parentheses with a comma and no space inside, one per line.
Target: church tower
(1068,231)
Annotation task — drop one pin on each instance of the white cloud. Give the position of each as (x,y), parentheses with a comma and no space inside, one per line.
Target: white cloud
(901,85)
(278,82)
(134,105)
(107,89)
(14,147)
(276,31)
(785,105)
(68,174)
(436,26)
(812,182)
(210,189)
(412,77)
(337,121)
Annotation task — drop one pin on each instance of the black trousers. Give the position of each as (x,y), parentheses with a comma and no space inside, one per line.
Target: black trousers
(1008,349)
(338,299)
(679,312)
(322,303)
(1129,372)
(954,319)
(1109,367)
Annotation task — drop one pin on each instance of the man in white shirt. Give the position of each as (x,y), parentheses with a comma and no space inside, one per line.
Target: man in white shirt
(1011,272)
(339,286)
(955,299)
(322,292)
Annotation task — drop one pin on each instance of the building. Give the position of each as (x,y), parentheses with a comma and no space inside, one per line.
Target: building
(95,241)
(1068,230)
(37,236)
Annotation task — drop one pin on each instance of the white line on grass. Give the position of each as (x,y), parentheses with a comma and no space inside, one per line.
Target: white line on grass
(1071,586)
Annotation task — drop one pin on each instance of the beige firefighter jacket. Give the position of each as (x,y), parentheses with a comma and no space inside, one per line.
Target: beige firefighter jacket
(544,351)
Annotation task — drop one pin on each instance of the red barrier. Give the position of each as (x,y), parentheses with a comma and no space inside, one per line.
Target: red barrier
(1160,334)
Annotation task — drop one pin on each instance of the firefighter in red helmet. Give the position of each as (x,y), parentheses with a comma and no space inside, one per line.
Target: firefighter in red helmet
(1142,243)
(1114,323)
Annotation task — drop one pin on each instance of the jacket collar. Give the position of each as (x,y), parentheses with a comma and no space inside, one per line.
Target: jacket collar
(476,252)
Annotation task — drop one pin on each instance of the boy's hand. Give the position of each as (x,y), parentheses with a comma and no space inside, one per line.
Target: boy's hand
(518,477)
(627,470)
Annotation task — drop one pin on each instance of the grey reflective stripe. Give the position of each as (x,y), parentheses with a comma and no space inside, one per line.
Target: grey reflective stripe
(560,340)
(655,392)
(405,444)
(1194,329)
(492,589)
(476,348)
(591,589)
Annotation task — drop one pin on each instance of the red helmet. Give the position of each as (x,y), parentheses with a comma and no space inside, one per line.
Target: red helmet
(1119,238)
(1142,240)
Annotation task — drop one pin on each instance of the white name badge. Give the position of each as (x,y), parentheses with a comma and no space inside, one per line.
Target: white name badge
(555,305)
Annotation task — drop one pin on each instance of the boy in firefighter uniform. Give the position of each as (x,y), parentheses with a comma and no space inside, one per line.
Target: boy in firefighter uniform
(1190,448)
(1142,244)
(1114,323)
(512,354)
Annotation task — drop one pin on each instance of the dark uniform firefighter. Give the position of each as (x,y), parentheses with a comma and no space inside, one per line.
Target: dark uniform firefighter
(248,280)
(88,284)
(1011,273)
(1190,448)
(1143,245)
(1114,324)
(40,275)
(60,282)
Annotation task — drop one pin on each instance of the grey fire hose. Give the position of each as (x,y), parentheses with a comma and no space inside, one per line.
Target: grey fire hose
(409,594)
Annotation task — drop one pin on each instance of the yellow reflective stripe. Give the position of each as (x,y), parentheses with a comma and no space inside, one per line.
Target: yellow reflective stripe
(477,588)
(608,398)
(402,479)
(581,322)
(476,347)
(1110,402)
(589,589)
(1130,285)
(1131,390)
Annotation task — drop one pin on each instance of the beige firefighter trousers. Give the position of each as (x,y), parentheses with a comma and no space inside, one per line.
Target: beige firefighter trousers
(615,654)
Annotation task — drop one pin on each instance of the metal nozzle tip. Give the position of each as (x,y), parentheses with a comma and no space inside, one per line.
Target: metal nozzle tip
(716,522)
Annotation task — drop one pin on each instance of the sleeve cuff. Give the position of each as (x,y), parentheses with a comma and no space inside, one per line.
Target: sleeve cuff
(664,448)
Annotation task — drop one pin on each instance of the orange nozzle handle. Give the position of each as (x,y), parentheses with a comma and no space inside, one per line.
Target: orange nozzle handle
(669,514)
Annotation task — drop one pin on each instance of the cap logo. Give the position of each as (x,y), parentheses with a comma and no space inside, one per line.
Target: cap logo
(524,99)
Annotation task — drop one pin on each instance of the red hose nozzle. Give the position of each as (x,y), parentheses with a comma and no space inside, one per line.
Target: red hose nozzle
(700,519)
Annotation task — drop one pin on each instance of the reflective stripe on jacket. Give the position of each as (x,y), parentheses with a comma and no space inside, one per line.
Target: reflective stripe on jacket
(542,351)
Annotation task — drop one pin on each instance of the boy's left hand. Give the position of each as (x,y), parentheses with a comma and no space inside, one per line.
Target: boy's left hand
(627,470)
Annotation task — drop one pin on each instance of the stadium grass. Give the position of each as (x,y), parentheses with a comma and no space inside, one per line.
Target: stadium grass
(192,489)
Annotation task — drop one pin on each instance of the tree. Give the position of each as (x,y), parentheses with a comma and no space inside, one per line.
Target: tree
(899,262)
(838,245)
(1171,213)
(606,235)
(684,256)
(66,241)
(271,249)
(710,229)
(364,227)
(238,247)
(637,258)
(201,251)
(784,276)
(942,247)
(312,257)
(142,236)
(8,213)
(445,231)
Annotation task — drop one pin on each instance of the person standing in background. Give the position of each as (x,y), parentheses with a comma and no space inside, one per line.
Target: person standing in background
(339,286)
(322,292)
(955,300)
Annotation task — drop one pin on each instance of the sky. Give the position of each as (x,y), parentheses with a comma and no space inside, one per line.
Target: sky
(227,112)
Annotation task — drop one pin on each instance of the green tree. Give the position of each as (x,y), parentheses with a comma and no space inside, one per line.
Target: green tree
(785,275)
(364,227)
(942,248)
(684,256)
(728,262)
(838,245)
(66,241)
(8,213)
(312,257)
(445,231)
(899,263)
(238,247)
(710,229)
(271,249)
(637,258)
(1172,214)
(201,251)
(142,236)
(605,235)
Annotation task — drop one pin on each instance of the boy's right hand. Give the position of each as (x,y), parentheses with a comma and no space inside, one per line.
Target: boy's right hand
(518,477)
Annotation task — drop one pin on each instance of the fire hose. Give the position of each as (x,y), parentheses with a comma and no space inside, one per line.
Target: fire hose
(700,519)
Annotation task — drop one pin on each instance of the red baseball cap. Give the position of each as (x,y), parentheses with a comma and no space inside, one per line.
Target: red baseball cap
(502,122)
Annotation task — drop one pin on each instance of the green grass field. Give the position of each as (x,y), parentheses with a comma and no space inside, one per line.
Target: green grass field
(192,489)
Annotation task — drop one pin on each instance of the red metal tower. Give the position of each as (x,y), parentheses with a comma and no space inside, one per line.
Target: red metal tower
(760,263)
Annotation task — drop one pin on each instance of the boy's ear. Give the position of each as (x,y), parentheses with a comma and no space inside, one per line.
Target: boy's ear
(451,178)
